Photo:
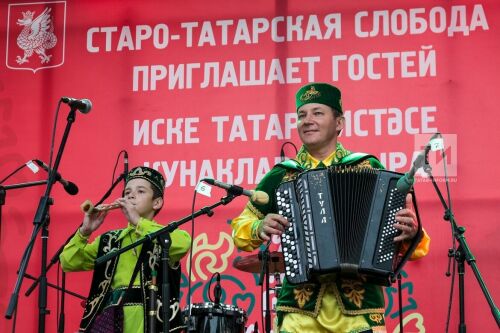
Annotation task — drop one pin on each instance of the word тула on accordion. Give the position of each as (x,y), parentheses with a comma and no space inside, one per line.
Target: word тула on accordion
(341,222)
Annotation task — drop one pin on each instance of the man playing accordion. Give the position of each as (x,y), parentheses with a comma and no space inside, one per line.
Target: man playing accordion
(339,304)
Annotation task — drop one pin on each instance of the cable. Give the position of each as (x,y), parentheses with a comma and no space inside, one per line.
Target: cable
(53,136)
(282,150)
(116,164)
(12,173)
(190,263)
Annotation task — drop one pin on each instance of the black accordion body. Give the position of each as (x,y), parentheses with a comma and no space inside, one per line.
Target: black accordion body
(341,222)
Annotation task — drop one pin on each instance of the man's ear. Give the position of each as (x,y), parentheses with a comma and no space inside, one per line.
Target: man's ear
(340,123)
(158,203)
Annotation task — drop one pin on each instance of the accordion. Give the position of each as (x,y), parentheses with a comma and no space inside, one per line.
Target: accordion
(341,222)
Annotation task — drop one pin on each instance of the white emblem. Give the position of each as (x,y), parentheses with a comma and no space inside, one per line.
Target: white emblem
(35,35)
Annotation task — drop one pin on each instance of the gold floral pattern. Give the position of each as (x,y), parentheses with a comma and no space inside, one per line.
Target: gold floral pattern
(354,291)
(376,317)
(310,94)
(303,294)
(308,162)
(290,175)
(364,164)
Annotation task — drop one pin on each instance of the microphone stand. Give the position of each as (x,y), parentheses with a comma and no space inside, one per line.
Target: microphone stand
(41,222)
(264,273)
(462,254)
(165,243)
(37,280)
(55,257)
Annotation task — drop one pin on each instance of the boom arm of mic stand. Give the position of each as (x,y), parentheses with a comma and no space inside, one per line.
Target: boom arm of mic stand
(169,228)
(69,292)
(3,194)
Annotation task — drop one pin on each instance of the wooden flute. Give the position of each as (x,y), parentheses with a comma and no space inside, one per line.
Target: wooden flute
(89,208)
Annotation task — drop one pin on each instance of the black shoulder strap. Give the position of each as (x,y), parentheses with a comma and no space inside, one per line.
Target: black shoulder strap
(355,158)
(290,165)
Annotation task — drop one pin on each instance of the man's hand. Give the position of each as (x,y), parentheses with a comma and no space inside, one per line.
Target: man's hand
(406,221)
(273,224)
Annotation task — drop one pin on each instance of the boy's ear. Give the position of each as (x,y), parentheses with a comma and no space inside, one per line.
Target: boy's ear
(158,203)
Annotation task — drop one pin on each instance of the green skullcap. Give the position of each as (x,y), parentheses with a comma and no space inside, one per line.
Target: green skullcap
(322,93)
(151,175)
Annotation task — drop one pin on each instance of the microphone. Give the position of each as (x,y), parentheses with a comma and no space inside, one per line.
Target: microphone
(69,187)
(125,167)
(84,105)
(256,196)
(217,290)
(405,183)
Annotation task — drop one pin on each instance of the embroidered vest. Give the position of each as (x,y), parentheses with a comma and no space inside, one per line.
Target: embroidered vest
(100,290)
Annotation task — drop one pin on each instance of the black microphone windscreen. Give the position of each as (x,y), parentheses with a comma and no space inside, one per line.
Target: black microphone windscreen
(86,106)
(71,188)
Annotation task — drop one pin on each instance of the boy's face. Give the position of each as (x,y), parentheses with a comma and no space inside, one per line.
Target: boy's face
(140,193)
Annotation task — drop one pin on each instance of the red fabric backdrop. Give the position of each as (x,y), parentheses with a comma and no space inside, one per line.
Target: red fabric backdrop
(206,89)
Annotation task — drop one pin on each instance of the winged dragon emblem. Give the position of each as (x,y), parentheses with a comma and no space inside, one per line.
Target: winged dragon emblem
(37,36)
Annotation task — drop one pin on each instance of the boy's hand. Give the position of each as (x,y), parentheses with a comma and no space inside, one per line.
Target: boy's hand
(92,221)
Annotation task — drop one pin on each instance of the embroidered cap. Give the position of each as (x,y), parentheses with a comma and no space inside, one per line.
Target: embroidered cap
(322,93)
(151,175)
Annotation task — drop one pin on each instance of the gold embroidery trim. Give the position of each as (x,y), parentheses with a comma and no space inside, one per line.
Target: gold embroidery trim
(255,210)
(314,313)
(354,291)
(353,312)
(303,294)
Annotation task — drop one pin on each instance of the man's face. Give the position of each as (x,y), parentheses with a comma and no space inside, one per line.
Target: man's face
(140,193)
(318,126)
